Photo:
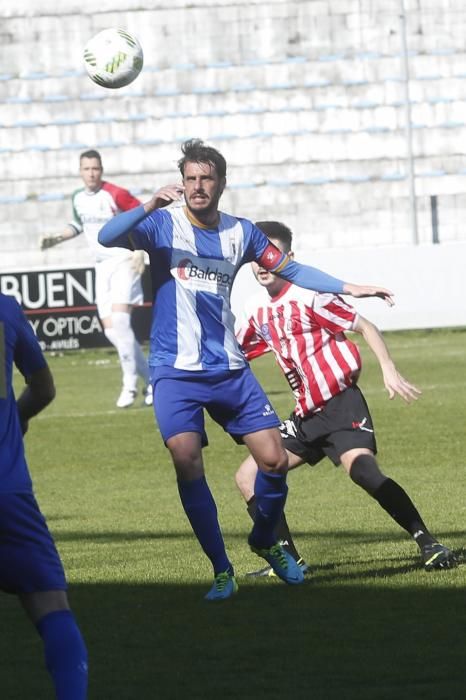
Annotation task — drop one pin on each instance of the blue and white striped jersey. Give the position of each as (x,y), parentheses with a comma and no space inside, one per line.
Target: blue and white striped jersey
(192,271)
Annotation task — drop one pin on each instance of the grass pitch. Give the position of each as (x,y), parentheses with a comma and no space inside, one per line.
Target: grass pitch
(368,624)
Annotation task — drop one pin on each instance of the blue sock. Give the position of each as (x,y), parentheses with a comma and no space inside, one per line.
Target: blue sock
(65,654)
(270,491)
(199,506)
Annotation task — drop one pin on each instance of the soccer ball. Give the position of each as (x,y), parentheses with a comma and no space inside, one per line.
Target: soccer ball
(113,58)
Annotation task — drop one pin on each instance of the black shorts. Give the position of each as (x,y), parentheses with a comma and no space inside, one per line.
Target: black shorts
(343,424)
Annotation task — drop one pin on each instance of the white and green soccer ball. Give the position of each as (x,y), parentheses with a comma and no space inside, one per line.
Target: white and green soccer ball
(113,58)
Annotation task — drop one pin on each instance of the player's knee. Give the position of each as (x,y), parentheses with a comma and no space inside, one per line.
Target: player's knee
(184,458)
(41,603)
(187,469)
(276,463)
(187,457)
(365,472)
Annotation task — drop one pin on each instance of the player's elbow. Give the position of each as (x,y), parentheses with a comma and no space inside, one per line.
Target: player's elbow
(44,395)
(111,232)
(50,394)
(110,236)
(104,237)
(42,387)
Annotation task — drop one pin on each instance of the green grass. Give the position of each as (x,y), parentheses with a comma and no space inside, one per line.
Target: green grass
(369,624)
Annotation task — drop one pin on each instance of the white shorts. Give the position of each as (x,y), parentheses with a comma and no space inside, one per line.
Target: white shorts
(116,283)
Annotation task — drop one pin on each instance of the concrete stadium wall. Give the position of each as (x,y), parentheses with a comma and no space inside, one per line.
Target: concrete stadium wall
(304,98)
(428,282)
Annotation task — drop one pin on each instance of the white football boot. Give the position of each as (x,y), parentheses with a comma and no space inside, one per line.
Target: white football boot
(148,395)
(126,398)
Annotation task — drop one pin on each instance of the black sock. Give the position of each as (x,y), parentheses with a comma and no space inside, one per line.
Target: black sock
(282,531)
(400,507)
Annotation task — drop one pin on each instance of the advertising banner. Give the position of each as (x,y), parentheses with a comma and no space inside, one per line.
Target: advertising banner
(59,305)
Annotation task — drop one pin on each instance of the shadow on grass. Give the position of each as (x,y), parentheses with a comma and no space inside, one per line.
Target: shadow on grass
(348,536)
(345,570)
(270,641)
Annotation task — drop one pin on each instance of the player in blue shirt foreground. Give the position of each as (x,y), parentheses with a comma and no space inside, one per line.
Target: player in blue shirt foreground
(30,566)
(195,252)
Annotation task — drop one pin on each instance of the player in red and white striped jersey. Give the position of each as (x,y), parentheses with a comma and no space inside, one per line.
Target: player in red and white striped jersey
(306,332)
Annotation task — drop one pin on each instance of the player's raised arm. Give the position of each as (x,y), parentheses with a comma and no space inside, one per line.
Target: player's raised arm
(163,197)
(313,278)
(115,233)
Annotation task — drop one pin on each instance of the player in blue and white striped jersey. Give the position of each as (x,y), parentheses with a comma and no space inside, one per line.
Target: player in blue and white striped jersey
(195,252)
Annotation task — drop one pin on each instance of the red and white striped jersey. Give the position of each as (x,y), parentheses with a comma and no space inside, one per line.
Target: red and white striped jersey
(305,331)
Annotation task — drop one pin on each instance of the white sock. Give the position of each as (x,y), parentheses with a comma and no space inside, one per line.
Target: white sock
(111,336)
(126,345)
(142,367)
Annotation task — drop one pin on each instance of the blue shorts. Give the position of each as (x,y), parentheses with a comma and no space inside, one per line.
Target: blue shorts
(234,399)
(29,561)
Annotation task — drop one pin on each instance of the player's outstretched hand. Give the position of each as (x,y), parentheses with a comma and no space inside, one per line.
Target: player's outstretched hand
(137,262)
(360,291)
(164,196)
(48,242)
(395,384)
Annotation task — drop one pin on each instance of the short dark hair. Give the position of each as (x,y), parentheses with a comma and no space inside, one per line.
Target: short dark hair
(275,229)
(196,151)
(91,154)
